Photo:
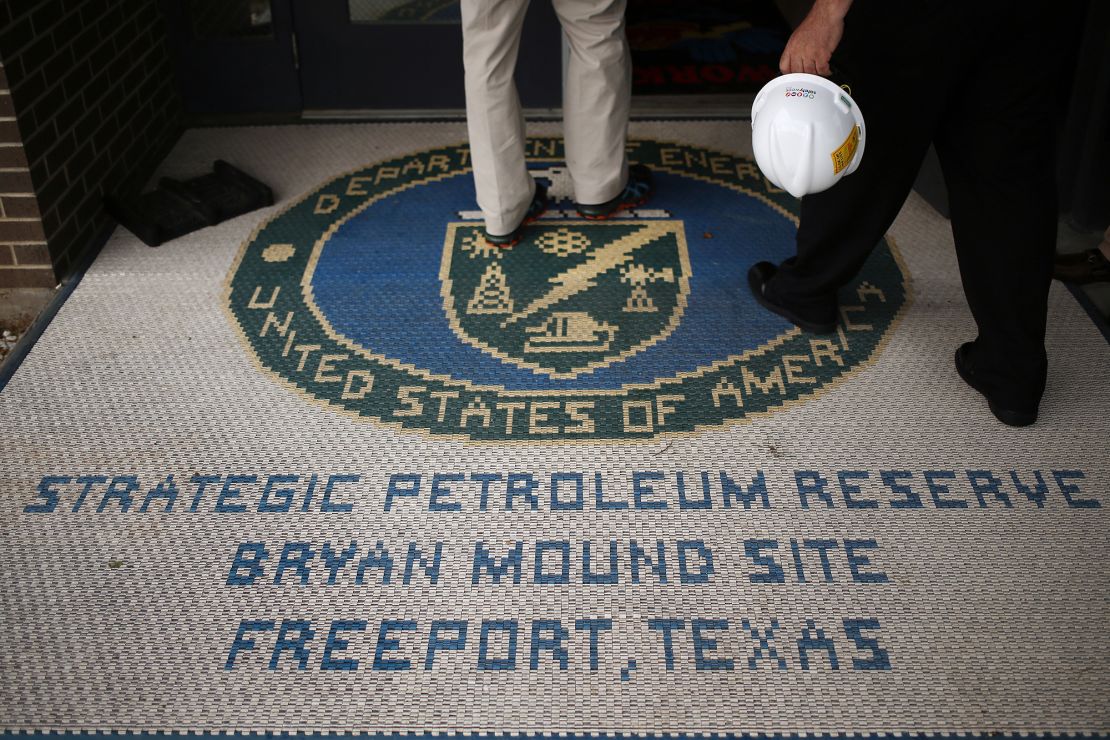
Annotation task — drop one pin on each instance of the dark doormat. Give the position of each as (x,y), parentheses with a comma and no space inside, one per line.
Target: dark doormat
(705,47)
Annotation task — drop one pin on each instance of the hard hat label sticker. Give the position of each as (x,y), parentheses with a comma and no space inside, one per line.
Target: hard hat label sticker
(844,153)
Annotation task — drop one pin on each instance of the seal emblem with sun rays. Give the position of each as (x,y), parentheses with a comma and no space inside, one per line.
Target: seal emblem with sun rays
(377,295)
(583,295)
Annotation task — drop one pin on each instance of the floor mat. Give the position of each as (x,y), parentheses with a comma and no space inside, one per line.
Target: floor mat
(338,466)
(709,47)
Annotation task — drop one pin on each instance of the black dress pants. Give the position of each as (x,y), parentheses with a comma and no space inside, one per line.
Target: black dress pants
(977,79)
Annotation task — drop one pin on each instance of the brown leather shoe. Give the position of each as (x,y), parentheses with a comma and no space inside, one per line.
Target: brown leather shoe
(1090,266)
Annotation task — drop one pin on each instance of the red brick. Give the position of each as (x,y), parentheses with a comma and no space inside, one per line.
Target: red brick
(20,207)
(33,277)
(21,231)
(16,182)
(12,156)
(31,254)
(6,257)
(9,133)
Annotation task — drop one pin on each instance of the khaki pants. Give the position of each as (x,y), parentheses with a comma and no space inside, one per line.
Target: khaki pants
(595,103)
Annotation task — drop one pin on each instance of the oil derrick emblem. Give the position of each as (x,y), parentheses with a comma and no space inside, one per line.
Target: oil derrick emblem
(638,277)
(492,294)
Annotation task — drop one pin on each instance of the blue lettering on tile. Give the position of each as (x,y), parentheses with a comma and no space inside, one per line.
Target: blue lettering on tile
(507,663)
(401,485)
(242,642)
(910,499)
(378,559)
(642,490)
(588,576)
(485,479)
(823,547)
(387,644)
(595,626)
(1068,489)
(983,484)
(705,502)
(813,638)
(667,627)
(753,549)
(247,564)
(436,641)
(495,567)
(857,561)
(295,556)
(850,490)
(336,560)
(47,494)
(230,492)
(705,564)
(120,489)
(277,488)
(292,636)
(810,483)
(523,486)
(441,494)
(336,643)
(562,547)
(416,555)
(326,504)
(578,503)
(201,482)
(932,478)
(733,491)
(704,644)
(1036,493)
(600,501)
(166,490)
(554,642)
(880,658)
(765,648)
(638,556)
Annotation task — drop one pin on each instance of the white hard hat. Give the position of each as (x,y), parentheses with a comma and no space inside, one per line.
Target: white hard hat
(807,133)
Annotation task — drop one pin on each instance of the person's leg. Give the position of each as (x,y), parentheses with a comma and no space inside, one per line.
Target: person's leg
(494,120)
(597,97)
(996,148)
(888,55)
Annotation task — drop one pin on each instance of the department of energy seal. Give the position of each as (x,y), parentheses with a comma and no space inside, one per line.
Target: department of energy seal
(377,294)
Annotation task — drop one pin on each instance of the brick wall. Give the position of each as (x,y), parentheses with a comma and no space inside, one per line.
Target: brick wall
(24,258)
(95,108)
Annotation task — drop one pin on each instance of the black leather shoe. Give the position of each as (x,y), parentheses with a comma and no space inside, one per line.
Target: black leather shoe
(636,192)
(1022,417)
(1090,266)
(535,210)
(758,276)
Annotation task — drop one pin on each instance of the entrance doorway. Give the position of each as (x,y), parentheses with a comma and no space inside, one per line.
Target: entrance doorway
(331,57)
